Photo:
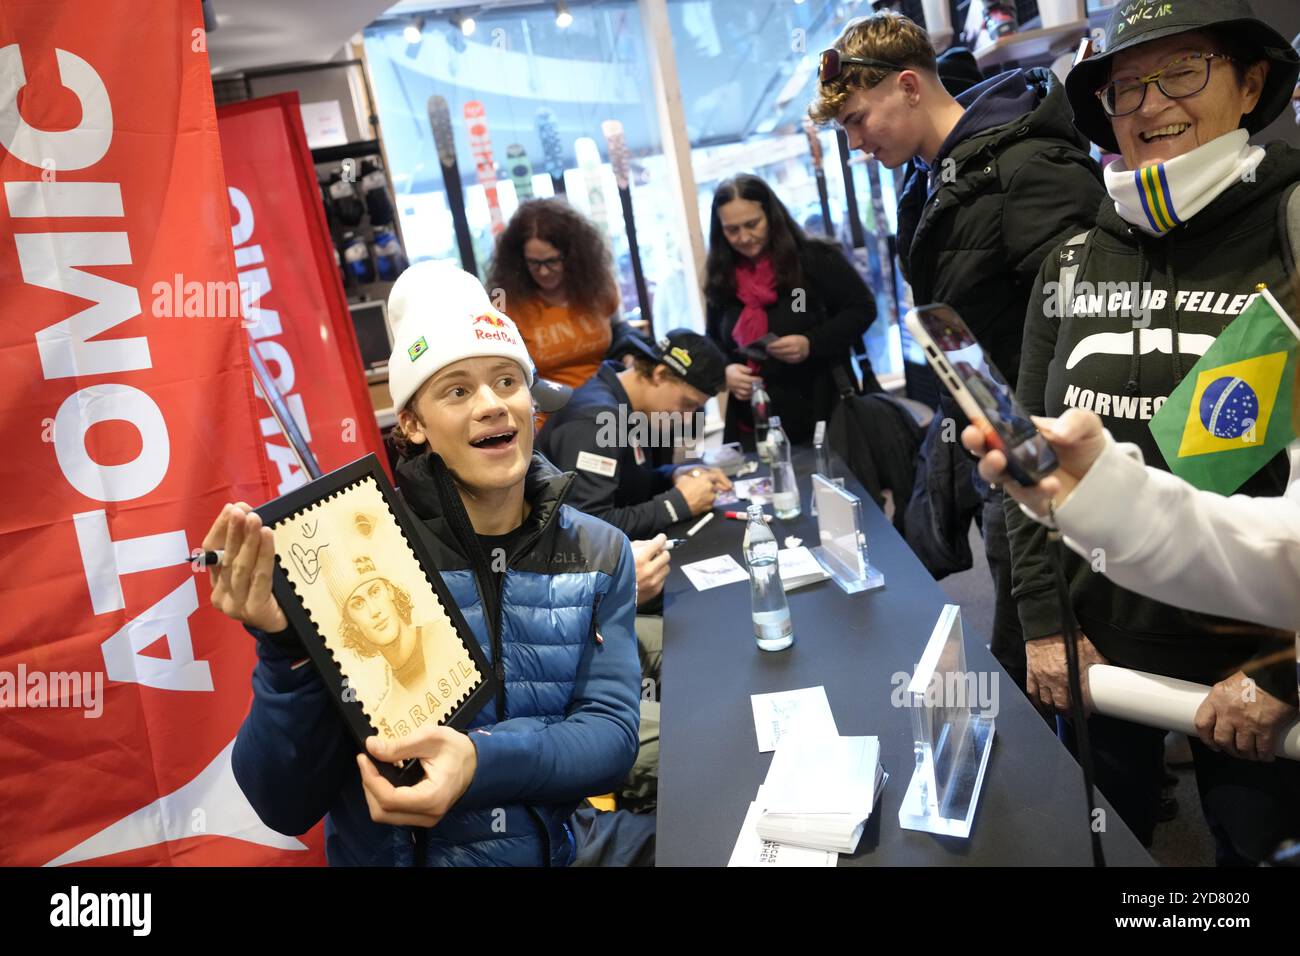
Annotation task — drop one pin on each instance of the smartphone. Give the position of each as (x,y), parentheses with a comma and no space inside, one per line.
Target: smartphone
(981,392)
(757,350)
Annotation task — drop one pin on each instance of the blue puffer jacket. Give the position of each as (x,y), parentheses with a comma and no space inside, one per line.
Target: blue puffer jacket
(570,719)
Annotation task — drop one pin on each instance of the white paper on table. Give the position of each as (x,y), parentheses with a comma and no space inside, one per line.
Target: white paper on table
(817,774)
(714,572)
(777,714)
(757,490)
(796,563)
(753,850)
(840,832)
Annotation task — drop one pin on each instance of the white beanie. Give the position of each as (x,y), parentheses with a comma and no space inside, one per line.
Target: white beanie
(356,544)
(440,314)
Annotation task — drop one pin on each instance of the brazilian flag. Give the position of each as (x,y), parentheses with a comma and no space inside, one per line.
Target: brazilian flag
(1233,412)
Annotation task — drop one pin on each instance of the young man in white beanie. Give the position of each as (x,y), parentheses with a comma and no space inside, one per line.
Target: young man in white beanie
(549,593)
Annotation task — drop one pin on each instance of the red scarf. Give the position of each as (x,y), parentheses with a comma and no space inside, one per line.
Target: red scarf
(756,290)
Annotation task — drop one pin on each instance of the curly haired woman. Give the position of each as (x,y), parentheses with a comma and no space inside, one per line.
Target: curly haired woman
(554,269)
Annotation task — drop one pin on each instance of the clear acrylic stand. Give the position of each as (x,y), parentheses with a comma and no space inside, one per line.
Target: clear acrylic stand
(952,739)
(821,462)
(843,546)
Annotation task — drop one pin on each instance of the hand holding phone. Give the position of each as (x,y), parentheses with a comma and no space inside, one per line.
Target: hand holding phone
(981,392)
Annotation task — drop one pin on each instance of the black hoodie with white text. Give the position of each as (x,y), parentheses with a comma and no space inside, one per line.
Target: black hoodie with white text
(1142,311)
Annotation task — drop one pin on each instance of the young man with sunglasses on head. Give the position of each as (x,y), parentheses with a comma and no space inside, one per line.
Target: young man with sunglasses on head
(1001,178)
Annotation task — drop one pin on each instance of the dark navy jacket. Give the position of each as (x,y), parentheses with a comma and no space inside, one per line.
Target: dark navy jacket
(569,727)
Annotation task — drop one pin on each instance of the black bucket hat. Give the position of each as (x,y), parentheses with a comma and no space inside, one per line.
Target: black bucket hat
(1135,22)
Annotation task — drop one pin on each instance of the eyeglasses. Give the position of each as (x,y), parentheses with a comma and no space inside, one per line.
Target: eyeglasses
(1180,79)
(545,265)
(832,64)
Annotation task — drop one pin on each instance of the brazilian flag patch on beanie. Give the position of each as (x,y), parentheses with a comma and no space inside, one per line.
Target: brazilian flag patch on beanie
(418,348)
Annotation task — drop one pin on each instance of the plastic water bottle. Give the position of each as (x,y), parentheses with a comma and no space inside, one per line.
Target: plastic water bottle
(759,403)
(785,490)
(772,628)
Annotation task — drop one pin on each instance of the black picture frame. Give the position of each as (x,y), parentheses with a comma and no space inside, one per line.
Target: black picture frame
(317,492)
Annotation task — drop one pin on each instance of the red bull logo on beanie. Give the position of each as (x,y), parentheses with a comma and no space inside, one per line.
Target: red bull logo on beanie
(498,328)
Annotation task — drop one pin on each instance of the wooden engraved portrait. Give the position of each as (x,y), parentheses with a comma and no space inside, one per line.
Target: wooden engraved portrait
(385,627)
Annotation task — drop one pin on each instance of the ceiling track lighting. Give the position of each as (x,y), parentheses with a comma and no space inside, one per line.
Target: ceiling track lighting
(464,23)
(563,18)
(413,32)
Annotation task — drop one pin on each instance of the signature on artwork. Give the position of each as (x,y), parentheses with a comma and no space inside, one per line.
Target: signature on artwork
(309,528)
(307,560)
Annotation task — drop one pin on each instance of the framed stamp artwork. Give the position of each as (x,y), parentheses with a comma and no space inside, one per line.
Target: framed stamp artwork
(378,622)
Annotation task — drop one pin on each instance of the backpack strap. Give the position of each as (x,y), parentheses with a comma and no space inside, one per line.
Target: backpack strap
(1070,259)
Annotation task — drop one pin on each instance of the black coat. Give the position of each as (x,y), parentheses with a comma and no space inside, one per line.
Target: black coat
(1010,195)
(837,308)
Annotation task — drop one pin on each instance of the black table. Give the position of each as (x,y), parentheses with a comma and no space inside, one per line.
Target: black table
(1031,811)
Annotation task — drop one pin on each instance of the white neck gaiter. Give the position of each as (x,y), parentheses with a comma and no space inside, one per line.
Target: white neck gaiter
(1159,198)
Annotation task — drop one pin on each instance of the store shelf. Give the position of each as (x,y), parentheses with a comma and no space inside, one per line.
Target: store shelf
(358,150)
(1039,44)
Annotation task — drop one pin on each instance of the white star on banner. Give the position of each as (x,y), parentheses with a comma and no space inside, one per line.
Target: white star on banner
(214,792)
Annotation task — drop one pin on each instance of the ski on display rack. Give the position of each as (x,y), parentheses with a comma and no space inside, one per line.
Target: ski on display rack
(882,239)
(548,131)
(621,162)
(587,153)
(815,147)
(444,140)
(480,144)
(850,193)
(521,171)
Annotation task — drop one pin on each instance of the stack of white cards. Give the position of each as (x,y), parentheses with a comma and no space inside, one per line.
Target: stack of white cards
(819,791)
(820,788)
(798,567)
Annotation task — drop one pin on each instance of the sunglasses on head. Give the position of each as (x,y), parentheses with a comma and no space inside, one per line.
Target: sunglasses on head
(833,63)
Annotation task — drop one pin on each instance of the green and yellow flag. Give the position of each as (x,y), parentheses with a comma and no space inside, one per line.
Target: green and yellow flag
(1233,412)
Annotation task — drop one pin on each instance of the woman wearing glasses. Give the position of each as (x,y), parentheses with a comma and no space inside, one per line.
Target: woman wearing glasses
(555,271)
(1192,226)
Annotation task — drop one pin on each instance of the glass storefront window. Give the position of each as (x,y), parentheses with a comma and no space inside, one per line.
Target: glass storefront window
(748,72)
(518,62)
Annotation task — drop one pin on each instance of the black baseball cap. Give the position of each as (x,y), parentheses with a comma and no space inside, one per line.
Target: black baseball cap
(692,356)
(1134,22)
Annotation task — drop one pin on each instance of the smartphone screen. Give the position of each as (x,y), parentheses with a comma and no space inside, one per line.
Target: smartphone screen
(986,384)
(1028,456)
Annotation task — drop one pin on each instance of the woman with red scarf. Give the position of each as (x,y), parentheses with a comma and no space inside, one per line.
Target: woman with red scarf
(783,307)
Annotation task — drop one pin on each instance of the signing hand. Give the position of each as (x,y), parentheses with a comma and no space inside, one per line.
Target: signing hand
(1048,680)
(740,382)
(791,349)
(716,476)
(1242,719)
(652,562)
(449,760)
(241,584)
(698,492)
